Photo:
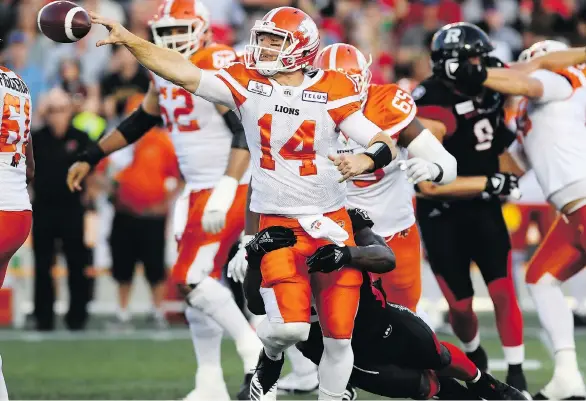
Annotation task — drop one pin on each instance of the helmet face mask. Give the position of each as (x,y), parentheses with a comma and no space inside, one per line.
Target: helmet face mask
(181,25)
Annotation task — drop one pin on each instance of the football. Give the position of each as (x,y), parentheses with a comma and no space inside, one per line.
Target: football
(63,21)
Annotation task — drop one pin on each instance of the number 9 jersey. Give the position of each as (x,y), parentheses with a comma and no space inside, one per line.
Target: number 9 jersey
(476,133)
(199,134)
(15,102)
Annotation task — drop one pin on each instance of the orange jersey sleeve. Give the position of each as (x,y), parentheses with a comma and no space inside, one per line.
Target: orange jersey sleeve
(390,107)
(214,57)
(576,75)
(342,94)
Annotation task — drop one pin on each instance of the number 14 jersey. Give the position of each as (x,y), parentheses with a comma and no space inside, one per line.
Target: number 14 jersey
(290,133)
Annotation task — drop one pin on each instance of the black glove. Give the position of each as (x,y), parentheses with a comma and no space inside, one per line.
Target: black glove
(328,258)
(267,240)
(501,184)
(360,219)
(470,77)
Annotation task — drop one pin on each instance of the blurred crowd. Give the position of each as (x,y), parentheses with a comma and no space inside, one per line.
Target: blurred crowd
(94,87)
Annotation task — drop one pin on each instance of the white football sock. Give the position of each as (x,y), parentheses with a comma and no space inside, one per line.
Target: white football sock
(472,345)
(514,355)
(554,313)
(3,389)
(300,365)
(335,368)
(206,335)
(215,300)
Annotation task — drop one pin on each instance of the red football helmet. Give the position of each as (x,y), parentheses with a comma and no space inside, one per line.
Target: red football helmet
(347,59)
(300,41)
(191,15)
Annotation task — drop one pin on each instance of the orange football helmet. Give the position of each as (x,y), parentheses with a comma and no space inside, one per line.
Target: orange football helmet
(300,41)
(347,59)
(191,15)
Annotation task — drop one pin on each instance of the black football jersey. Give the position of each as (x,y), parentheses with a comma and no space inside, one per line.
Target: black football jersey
(480,135)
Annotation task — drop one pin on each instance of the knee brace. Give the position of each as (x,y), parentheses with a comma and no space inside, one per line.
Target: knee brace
(282,334)
(208,296)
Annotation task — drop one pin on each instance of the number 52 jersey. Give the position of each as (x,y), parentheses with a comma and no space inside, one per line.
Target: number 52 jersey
(291,131)
(15,102)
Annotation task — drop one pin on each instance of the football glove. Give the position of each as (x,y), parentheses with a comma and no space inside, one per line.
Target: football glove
(360,219)
(418,170)
(502,184)
(238,264)
(267,240)
(329,258)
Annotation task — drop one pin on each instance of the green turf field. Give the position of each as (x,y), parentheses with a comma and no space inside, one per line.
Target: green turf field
(157,366)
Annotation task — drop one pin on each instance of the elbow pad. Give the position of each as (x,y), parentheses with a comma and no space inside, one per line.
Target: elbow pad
(137,124)
(427,147)
(380,153)
(235,126)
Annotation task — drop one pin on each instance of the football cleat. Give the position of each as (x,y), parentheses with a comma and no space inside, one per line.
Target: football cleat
(479,358)
(350,394)
(489,388)
(263,385)
(298,384)
(244,392)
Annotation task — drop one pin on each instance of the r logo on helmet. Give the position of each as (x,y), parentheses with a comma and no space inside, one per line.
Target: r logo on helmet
(453,36)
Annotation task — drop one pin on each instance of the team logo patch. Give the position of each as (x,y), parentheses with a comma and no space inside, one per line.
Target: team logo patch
(418,92)
(259,88)
(316,225)
(465,107)
(315,97)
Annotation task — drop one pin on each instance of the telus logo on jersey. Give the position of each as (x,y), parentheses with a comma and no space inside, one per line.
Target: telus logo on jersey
(316,97)
(287,110)
(13,83)
(259,88)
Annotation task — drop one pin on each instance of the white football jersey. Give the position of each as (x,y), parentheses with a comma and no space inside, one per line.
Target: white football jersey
(199,134)
(291,131)
(15,103)
(553,132)
(386,195)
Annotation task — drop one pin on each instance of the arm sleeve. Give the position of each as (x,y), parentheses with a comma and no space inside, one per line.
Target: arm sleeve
(427,147)
(555,86)
(359,128)
(216,90)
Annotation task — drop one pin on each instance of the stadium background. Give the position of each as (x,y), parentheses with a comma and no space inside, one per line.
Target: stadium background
(145,363)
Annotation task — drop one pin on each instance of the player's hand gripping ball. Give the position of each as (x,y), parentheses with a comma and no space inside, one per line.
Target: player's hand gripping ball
(64,21)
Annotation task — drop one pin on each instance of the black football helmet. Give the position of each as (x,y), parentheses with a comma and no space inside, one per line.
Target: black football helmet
(457,42)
